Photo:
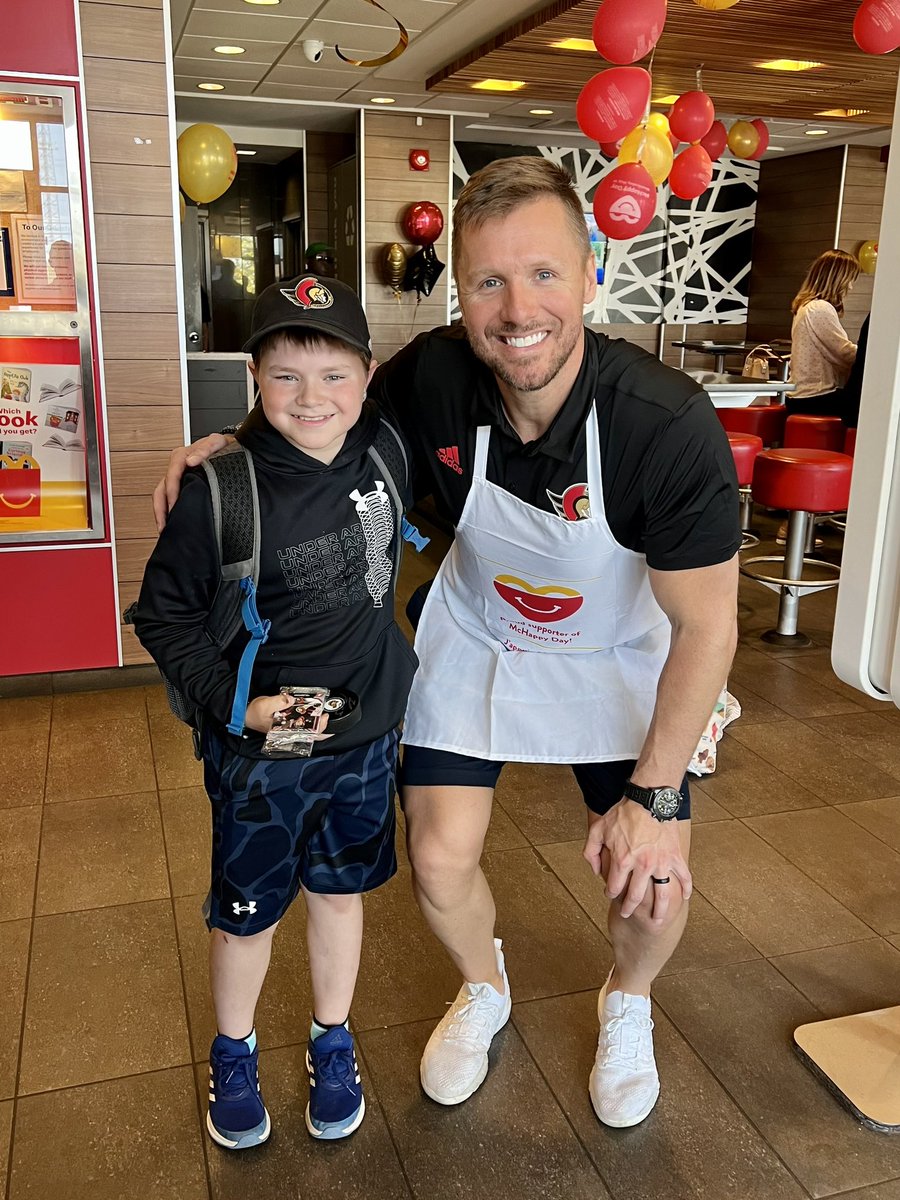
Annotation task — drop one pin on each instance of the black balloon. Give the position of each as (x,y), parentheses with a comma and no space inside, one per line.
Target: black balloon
(423,270)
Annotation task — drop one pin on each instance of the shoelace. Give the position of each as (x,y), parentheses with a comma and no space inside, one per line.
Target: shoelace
(335,1069)
(622,1050)
(472,1021)
(237,1067)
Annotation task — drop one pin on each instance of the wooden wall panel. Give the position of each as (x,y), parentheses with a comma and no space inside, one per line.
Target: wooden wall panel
(860,222)
(390,186)
(153,427)
(132,191)
(125,87)
(137,289)
(323,150)
(126,336)
(121,32)
(137,472)
(148,382)
(112,137)
(134,518)
(145,240)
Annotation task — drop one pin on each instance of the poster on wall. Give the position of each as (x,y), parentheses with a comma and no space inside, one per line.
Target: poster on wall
(42,450)
(6,276)
(44,274)
(12,192)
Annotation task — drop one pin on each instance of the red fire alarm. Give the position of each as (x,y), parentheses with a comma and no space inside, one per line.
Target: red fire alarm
(419,160)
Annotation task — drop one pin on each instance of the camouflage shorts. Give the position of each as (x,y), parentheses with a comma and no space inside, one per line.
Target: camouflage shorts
(325,822)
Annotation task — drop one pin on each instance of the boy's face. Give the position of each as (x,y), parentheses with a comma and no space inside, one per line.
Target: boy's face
(312,394)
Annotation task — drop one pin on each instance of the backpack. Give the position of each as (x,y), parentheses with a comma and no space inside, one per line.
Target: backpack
(235,503)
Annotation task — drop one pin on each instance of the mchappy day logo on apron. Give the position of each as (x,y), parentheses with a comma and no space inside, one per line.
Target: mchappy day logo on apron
(540,604)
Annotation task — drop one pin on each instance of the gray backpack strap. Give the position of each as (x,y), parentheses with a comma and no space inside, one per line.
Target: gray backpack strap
(235,503)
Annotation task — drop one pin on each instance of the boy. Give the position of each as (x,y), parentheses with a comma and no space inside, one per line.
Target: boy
(326,582)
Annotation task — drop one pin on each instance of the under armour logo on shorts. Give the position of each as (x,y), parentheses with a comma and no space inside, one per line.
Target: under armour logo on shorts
(244,908)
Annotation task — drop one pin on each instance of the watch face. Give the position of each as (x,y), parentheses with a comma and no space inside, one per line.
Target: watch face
(666,803)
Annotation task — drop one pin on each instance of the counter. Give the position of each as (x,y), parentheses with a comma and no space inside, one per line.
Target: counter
(733,391)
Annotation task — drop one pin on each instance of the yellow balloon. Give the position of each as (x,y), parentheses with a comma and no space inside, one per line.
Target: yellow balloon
(659,122)
(716,5)
(207,162)
(743,139)
(868,257)
(651,149)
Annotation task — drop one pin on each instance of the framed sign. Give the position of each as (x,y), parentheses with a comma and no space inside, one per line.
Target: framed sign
(6,276)
(44,274)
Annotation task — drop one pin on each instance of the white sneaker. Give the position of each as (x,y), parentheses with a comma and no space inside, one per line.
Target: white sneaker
(624,1084)
(455,1061)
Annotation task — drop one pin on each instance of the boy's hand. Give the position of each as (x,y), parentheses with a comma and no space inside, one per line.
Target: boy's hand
(262,710)
(166,491)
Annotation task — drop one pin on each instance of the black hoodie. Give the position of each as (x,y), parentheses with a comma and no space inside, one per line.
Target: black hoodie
(332,615)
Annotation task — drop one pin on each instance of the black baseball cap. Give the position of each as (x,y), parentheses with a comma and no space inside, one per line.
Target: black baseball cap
(314,302)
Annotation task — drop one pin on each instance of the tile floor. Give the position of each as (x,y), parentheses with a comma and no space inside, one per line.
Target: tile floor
(105,1019)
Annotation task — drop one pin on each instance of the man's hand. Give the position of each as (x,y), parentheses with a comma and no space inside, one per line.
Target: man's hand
(166,491)
(627,847)
(261,713)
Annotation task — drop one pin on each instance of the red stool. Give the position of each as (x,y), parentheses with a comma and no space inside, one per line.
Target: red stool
(805,482)
(766,421)
(744,448)
(850,442)
(814,433)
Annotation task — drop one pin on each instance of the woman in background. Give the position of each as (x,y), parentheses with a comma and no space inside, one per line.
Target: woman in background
(821,352)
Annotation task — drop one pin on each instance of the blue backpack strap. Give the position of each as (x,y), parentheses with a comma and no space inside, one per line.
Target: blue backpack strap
(259,633)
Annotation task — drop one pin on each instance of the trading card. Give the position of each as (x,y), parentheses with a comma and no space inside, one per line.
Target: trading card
(293,729)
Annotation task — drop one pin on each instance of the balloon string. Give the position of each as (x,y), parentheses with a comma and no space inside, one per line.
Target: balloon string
(650,73)
(700,78)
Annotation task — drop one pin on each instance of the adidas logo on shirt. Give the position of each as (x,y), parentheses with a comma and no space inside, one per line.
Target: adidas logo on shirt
(449,456)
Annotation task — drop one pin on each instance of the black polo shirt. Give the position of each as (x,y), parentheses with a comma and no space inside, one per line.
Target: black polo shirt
(669,484)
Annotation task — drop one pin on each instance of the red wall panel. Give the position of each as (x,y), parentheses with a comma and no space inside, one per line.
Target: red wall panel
(38,37)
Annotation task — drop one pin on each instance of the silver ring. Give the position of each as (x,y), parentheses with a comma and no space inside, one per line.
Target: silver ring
(655,880)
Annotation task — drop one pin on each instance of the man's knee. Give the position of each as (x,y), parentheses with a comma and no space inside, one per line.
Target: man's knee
(645,918)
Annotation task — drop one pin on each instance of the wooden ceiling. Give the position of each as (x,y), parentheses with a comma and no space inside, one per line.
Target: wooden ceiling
(728,44)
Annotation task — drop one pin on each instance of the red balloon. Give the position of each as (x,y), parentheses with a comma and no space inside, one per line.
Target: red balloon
(691,116)
(716,140)
(876,26)
(612,103)
(763,130)
(691,173)
(611,149)
(423,223)
(626,30)
(625,202)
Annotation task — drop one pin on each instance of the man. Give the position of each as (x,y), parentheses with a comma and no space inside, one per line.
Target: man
(595,503)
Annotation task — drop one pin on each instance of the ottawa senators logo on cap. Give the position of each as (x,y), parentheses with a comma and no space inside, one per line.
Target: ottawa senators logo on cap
(309,293)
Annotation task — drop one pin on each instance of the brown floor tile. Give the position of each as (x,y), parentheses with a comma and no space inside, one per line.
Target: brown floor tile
(855,867)
(14,939)
(26,712)
(136,1137)
(104,997)
(6,1116)
(18,863)
(754,709)
(292,1164)
(773,904)
(709,939)
(113,760)
(745,784)
(157,702)
(869,735)
(816,664)
(816,761)
(100,852)
(285,1005)
(25,776)
(173,753)
(882,1191)
(550,945)
(510,1139)
(703,807)
(740,1020)
(186,822)
(880,817)
(696,1143)
(858,977)
(544,801)
(82,710)
(796,694)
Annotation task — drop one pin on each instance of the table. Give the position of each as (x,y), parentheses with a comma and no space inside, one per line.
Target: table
(720,349)
(733,391)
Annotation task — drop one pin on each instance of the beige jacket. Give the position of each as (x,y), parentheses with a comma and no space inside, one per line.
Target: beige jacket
(821,352)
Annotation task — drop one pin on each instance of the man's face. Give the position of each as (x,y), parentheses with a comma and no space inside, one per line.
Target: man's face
(523,282)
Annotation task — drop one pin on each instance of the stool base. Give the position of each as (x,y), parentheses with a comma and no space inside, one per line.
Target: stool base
(774,638)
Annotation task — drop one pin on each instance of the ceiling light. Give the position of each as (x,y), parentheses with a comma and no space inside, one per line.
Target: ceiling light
(383,100)
(540,112)
(230,49)
(665,99)
(499,85)
(262,1)
(815,132)
(844,112)
(211,87)
(245,151)
(575,44)
(789,64)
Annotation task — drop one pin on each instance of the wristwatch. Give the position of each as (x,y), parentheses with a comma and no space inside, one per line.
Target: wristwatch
(662,802)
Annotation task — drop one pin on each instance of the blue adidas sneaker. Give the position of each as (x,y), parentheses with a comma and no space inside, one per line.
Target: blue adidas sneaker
(237,1117)
(336,1104)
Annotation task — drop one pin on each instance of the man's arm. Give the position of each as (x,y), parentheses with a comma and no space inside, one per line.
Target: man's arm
(701,605)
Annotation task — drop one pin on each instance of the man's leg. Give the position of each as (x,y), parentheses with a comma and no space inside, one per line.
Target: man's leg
(446,826)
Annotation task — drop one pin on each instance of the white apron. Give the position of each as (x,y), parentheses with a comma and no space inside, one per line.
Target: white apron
(540,640)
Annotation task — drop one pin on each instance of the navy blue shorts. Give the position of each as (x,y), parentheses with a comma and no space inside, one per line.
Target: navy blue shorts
(601,783)
(326,822)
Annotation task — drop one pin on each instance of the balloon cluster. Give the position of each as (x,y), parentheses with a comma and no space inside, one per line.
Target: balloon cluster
(876,26)
(423,224)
